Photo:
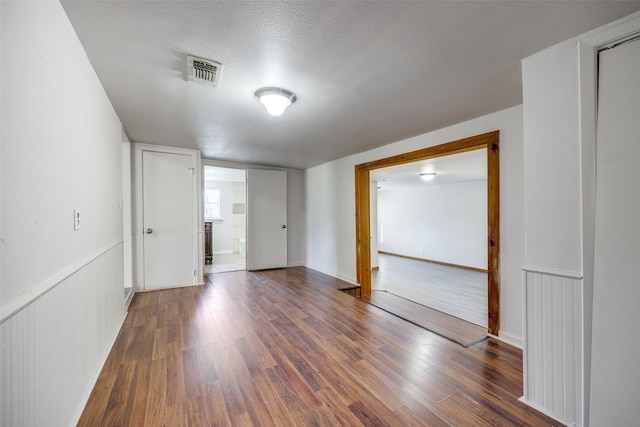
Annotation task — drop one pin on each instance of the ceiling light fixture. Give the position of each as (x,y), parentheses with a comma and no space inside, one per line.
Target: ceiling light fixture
(275,99)
(428,176)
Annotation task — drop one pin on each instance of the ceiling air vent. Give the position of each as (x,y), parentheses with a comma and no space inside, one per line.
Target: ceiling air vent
(203,71)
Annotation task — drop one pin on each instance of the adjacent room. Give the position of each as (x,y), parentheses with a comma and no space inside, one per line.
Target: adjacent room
(431,229)
(224,202)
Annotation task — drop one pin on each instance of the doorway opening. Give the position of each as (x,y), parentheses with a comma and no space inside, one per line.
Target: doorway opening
(224,212)
(488,141)
(431,233)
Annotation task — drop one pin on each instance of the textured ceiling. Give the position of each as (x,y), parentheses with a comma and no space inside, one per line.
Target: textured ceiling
(365,73)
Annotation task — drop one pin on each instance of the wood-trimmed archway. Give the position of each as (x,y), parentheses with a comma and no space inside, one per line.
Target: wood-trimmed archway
(490,141)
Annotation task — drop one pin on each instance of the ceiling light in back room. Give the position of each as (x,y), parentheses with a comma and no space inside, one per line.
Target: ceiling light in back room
(275,99)
(428,176)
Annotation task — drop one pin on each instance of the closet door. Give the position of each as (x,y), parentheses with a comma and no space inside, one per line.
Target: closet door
(616,304)
(266,219)
(168,220)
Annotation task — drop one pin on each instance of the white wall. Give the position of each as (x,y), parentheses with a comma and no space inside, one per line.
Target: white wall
(446,223)
(553,226)
(61,293)
(330,204)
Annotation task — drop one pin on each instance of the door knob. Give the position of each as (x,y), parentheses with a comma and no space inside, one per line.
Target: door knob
(284,226)
(149,231)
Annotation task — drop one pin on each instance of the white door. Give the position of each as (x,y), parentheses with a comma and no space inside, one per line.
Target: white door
(616,294)
(266,219)
(168,224)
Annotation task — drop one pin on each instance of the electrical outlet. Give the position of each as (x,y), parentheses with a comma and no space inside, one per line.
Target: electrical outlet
(76,219)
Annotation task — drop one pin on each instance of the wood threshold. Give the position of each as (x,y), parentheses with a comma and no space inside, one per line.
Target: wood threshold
(452,328)
(464,267)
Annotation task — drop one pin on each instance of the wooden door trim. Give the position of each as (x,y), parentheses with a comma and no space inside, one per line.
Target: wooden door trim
(490,141)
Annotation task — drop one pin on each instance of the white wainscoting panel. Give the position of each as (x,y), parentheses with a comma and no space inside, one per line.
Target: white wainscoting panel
(553,343)
(53,349)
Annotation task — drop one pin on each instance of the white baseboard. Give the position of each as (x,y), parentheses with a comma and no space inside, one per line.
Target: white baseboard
(545,411)
(96,374)
(509,339)
(128,300)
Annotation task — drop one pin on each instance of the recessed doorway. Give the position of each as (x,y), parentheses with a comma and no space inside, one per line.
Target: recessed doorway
(224,213)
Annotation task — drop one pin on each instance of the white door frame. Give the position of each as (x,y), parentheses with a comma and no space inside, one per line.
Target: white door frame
(138,222)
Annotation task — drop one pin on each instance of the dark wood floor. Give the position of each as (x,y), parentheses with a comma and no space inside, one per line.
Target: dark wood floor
(284,347)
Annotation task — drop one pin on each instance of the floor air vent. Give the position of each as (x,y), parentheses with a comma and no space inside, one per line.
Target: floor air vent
(203,71)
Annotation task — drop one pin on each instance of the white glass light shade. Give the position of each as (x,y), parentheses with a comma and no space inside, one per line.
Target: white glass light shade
(275,104)
(275,99)
(428,176)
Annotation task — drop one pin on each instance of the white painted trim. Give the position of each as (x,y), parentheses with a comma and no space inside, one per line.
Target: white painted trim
(553,272)
(163,149)
(7,311)
(544,411)
(127,215)
(198,242)
(128,299)
(508,338)
(198,197)
(96,374)
(587,91)
(616,30)
(525,327)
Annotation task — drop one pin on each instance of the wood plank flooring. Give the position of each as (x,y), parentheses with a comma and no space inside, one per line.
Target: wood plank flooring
(450,327)
(455,291)
(286,348)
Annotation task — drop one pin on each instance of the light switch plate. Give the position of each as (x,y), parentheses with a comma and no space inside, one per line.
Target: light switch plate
(76,219)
